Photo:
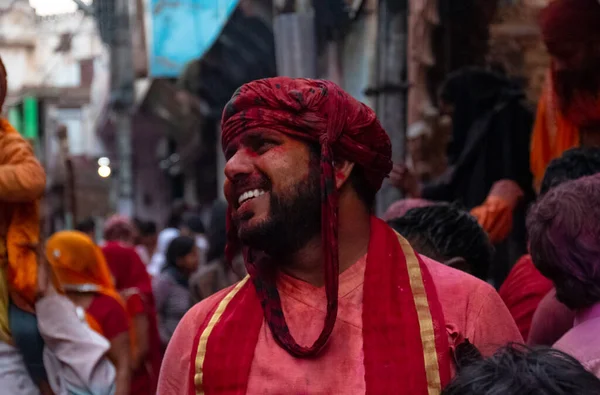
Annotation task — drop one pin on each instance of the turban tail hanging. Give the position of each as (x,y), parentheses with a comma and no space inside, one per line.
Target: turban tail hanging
(318,112)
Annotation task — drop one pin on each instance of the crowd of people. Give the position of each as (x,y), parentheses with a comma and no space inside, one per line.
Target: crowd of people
(482,282)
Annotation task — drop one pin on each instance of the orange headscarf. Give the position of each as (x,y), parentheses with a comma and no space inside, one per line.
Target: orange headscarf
(79,265)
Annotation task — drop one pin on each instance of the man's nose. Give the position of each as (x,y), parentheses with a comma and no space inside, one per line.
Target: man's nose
(239,164)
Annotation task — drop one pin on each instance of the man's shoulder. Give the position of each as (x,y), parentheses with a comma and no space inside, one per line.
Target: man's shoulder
(198,313)
(452,282)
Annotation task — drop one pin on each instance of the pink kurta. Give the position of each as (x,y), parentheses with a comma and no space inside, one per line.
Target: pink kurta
(472,310)
(582,342)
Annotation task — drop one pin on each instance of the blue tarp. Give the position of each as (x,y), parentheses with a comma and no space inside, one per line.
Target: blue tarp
(182,30)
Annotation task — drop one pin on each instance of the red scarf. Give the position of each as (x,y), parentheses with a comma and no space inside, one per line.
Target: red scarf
(406,352)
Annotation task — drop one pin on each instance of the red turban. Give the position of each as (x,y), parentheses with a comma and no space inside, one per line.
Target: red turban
(564,22)
(320,112)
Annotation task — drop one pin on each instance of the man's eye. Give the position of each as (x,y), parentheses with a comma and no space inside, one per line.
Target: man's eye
(264,145)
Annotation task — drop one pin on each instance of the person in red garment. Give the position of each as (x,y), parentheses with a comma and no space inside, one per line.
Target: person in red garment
(569,109)
(525,287)
(335,301)
(134,284)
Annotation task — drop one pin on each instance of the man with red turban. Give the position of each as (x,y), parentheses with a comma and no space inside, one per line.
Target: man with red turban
(335,301)
(569,109)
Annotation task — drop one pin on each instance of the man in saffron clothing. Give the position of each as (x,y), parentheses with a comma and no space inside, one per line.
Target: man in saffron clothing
(335,302)
(569,109)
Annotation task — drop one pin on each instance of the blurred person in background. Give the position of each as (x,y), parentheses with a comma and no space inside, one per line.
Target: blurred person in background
(83,273)
(74,356)
(448,235)
(135,286)
(525,287)
(518,370)
(147,240)
(159,258)
(176,215)
(87,226)
(563,231)
(193,226)
(569,108)
(171,286)
(488,158)
(217,274)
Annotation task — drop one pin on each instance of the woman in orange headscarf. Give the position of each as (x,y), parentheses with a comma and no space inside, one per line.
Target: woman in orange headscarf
(83,273)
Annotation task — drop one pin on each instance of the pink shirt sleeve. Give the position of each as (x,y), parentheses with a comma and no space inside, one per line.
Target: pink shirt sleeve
(489,323)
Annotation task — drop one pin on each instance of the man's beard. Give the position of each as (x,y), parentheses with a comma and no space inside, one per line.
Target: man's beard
(294,219)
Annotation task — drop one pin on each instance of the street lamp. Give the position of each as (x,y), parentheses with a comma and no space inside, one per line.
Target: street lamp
(104,171)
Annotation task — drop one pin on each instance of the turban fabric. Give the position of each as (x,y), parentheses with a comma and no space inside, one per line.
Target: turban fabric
(322,113)
(570,21)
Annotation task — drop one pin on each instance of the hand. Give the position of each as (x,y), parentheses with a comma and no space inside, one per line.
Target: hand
(405,180)
(45,285)
(496,217)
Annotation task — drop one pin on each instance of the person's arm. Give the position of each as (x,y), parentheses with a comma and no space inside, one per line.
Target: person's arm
(141,326)
(79,354)
(162,288)
(22,177)
(137,310)
(119,355)
(489,323)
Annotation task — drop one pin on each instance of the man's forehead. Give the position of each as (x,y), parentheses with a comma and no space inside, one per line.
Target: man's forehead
(249,136)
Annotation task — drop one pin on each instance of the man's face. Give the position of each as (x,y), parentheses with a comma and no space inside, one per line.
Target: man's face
(273,187)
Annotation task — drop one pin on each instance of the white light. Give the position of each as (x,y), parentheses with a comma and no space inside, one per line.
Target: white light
(104,171)
(104,161)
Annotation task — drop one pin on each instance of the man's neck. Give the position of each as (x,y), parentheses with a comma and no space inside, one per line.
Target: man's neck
(353,241)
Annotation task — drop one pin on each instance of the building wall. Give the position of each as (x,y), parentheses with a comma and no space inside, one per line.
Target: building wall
(62,68)
(517,45)
(52,51)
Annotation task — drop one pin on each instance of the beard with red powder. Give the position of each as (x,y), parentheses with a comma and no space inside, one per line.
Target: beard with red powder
(294,216)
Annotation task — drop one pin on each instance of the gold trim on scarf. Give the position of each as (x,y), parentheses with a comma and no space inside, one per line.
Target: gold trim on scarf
(432,369)
(201,354)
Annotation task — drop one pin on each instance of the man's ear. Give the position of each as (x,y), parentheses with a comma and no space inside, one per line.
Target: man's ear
(458,263)
(342,170)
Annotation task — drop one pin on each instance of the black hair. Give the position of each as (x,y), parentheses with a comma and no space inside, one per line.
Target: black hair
(517,369)
(179,247)
(194,223)
(146,228)
(175,219)
(443,231)
(88,225)
(573,164)
(217,231)
(366,193)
